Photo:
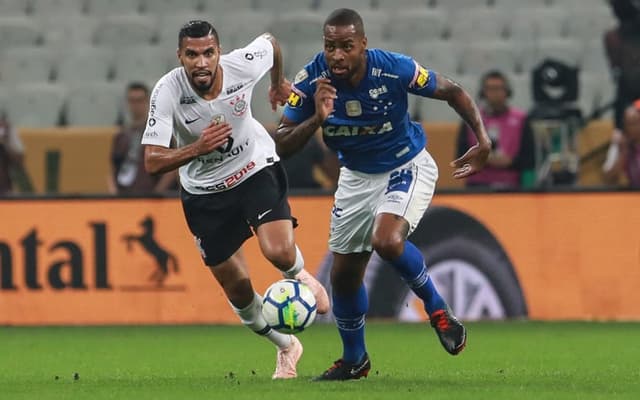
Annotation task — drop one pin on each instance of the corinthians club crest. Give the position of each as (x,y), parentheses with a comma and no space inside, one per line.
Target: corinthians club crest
(239,105)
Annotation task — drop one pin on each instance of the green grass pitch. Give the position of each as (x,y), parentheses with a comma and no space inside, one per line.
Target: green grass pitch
(512,360)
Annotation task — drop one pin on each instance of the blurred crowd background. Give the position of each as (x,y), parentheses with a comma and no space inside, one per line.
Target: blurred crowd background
(557,80)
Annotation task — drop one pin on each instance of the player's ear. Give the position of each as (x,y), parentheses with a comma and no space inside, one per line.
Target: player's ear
(364,42)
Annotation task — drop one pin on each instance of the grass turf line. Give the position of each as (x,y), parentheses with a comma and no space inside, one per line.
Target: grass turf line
(513,360)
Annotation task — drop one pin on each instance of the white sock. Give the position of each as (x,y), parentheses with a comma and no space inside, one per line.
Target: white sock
(298,265)
(251,317)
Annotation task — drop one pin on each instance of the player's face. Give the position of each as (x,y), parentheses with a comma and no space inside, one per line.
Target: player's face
(344,50)
(495,93)
(632,125)
(199,57)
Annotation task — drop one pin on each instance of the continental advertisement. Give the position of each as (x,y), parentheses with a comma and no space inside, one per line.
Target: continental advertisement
(493,256)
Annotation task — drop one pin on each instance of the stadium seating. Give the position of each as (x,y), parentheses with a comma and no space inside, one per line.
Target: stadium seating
(95,103)
(84,64)
(169,7)
(65,43)
(18,32)
(130,30)
(481,24)
(57,7)
(27,65)
(112,7)
(13,8)
(324,7)
(479,57)
(35,105)
(67,30)
(282,6)
(394,5)
(416,25)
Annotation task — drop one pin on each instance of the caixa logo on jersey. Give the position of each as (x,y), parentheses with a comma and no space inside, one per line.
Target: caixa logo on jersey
(344,130)
(88,258)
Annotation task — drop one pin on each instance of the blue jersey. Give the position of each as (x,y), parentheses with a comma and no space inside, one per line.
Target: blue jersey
(370,128)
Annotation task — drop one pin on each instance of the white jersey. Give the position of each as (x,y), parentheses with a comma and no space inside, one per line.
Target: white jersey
(177,110)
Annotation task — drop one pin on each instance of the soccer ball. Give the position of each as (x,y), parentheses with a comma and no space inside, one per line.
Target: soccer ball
(289,306)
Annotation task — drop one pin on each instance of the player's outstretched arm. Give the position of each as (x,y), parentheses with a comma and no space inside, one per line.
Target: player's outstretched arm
(159,159)
(290,136)
(280,86)
(476,157)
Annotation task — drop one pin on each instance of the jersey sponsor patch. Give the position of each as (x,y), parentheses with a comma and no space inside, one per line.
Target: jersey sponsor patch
(300,76)
(294,100)
(353,108)
(400,181)
(218,119)
(423,77)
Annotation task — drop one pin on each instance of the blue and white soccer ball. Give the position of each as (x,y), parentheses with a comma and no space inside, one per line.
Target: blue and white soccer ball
(289,306)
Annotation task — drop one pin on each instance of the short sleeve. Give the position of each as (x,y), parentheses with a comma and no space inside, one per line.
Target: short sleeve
(159,128)
(300,105)
(416,78)
(256,58)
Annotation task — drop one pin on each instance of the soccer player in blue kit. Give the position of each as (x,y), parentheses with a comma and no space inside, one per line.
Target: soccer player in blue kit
(358,96)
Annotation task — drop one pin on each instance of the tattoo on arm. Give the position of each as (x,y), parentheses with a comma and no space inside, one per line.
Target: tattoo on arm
(291,138)
(449,90)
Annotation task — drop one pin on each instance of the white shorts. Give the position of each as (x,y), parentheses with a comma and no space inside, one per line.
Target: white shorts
(405,191)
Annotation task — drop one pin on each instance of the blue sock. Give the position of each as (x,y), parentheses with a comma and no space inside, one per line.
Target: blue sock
(349,312)
(413,270)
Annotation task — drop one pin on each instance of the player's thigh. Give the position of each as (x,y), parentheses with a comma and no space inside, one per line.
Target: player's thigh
(409,189)
(216,223)
(353,210)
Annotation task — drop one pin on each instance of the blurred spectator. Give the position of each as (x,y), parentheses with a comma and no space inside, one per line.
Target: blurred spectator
(314,167)
(623,157)
(622,45)
(12,169)
(513,148)
(128,175)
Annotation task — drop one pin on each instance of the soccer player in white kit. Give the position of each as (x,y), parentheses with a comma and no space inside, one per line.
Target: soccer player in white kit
(232,182)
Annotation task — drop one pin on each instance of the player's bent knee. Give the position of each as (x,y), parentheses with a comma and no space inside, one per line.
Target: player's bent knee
(282,256)
(388,247)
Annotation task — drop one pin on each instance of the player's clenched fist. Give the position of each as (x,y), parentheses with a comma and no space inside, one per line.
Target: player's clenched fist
(213,136)
(324,96)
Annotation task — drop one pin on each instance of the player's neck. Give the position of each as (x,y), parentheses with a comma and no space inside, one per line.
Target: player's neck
(359,75)
(216,86)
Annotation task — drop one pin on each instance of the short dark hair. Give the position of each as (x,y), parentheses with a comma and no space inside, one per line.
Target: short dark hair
(138,86)
(197,29)
(345,17)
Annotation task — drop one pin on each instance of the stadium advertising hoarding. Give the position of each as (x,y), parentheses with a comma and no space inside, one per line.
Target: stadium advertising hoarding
(129,261)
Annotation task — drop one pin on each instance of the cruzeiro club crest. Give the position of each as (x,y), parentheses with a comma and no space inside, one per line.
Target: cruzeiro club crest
(239,105)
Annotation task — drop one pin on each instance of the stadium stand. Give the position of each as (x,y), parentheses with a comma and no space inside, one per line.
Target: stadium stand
(35,104)
(56,7)
(94,103)
(170,7)
(13,8)
(69,43)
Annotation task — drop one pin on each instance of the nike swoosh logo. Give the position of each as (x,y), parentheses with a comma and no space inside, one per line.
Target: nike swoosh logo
(355,371)
(190,121)
(261,215)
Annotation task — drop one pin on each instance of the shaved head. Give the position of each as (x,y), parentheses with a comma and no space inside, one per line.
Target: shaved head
(345,17)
